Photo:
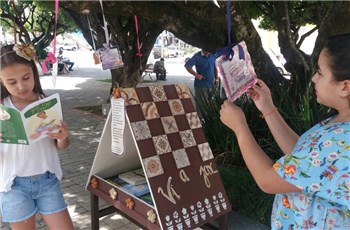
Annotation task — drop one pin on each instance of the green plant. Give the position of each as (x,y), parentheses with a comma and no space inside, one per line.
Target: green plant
(41,54)
(247,197)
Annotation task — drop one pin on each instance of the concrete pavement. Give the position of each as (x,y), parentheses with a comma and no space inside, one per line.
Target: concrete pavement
(82,88)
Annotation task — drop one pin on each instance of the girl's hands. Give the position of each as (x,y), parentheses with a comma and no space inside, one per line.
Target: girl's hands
(233,117)
(61,132)
(261,95)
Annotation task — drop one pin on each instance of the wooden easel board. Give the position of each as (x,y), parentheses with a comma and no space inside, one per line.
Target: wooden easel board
(177,160)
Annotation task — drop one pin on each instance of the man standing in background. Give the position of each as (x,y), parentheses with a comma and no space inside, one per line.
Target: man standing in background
(205,74)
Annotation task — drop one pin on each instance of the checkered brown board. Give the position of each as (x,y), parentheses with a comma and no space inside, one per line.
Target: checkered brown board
(177,159)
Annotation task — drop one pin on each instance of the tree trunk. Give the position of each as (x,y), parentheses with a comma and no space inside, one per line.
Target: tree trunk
(297,64)
(336,21)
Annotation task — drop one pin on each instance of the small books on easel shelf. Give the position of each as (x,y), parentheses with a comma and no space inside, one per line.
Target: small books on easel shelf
(134,177)
(236,72)
(136,190)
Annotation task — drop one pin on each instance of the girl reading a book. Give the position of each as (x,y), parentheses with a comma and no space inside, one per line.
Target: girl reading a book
(29,174)
(312,180)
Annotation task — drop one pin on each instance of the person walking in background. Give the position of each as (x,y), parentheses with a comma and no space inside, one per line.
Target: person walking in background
(29,174)
(205,74)
(312,180)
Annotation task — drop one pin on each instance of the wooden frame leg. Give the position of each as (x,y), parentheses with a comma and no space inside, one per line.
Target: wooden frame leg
(95,225)
(223,222)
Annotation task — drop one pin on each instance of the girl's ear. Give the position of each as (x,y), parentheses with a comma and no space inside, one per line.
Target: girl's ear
(346,88)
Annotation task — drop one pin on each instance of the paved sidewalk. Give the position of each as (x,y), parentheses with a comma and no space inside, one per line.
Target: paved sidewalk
(81,88)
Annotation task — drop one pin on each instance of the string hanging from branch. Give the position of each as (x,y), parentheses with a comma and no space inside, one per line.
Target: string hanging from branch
(228,51)
(139,54)
(137,37)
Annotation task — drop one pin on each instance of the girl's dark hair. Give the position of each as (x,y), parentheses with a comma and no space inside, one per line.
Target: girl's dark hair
(8,58)
(338,49)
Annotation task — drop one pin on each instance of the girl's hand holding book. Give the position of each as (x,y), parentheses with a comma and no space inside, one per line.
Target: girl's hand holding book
(60,133)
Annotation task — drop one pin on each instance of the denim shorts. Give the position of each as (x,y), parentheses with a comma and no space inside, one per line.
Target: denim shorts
(29,195)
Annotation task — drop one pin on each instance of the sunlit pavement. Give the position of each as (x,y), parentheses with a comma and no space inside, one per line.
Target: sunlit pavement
(82,88)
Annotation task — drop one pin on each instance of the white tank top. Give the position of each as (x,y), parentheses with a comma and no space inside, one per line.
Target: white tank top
(27,160)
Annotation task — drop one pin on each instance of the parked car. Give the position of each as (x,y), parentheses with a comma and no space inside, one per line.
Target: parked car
(67,46)
(188,56)
(157,51)
(173,51)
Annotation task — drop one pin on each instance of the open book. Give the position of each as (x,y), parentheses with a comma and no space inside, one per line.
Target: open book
(32,123)
(237,74)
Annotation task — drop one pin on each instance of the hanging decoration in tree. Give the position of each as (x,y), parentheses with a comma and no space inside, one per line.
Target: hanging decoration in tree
(110,56)
(139,54)
(96,54)
(234,65)
(137,37)
(55,63)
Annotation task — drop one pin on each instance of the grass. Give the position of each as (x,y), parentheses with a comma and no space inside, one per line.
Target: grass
(106,80)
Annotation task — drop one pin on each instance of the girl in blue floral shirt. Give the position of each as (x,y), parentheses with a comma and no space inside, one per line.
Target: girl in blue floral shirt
(312,180)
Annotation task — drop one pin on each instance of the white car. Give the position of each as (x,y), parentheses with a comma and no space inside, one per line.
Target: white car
(67,46)
(173,51)
(188,56)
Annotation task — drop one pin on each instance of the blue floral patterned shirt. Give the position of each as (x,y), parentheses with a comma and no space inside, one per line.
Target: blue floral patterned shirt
(319,165)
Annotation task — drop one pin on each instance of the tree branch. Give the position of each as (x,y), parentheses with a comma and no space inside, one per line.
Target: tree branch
(304,36)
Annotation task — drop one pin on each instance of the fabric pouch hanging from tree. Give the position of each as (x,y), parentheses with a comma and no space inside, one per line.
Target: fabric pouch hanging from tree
(110,57)
(235,70)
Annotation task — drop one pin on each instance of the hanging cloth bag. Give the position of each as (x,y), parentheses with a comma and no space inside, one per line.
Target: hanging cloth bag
(234,65)
(236,70)
(110,56)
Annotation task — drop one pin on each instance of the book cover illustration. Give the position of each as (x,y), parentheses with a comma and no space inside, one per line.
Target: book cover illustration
(237,74)
(32,123)
(134,177)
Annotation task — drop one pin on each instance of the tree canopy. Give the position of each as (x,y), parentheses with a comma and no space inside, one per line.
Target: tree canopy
(34,21)
(203,24)
(199,23)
